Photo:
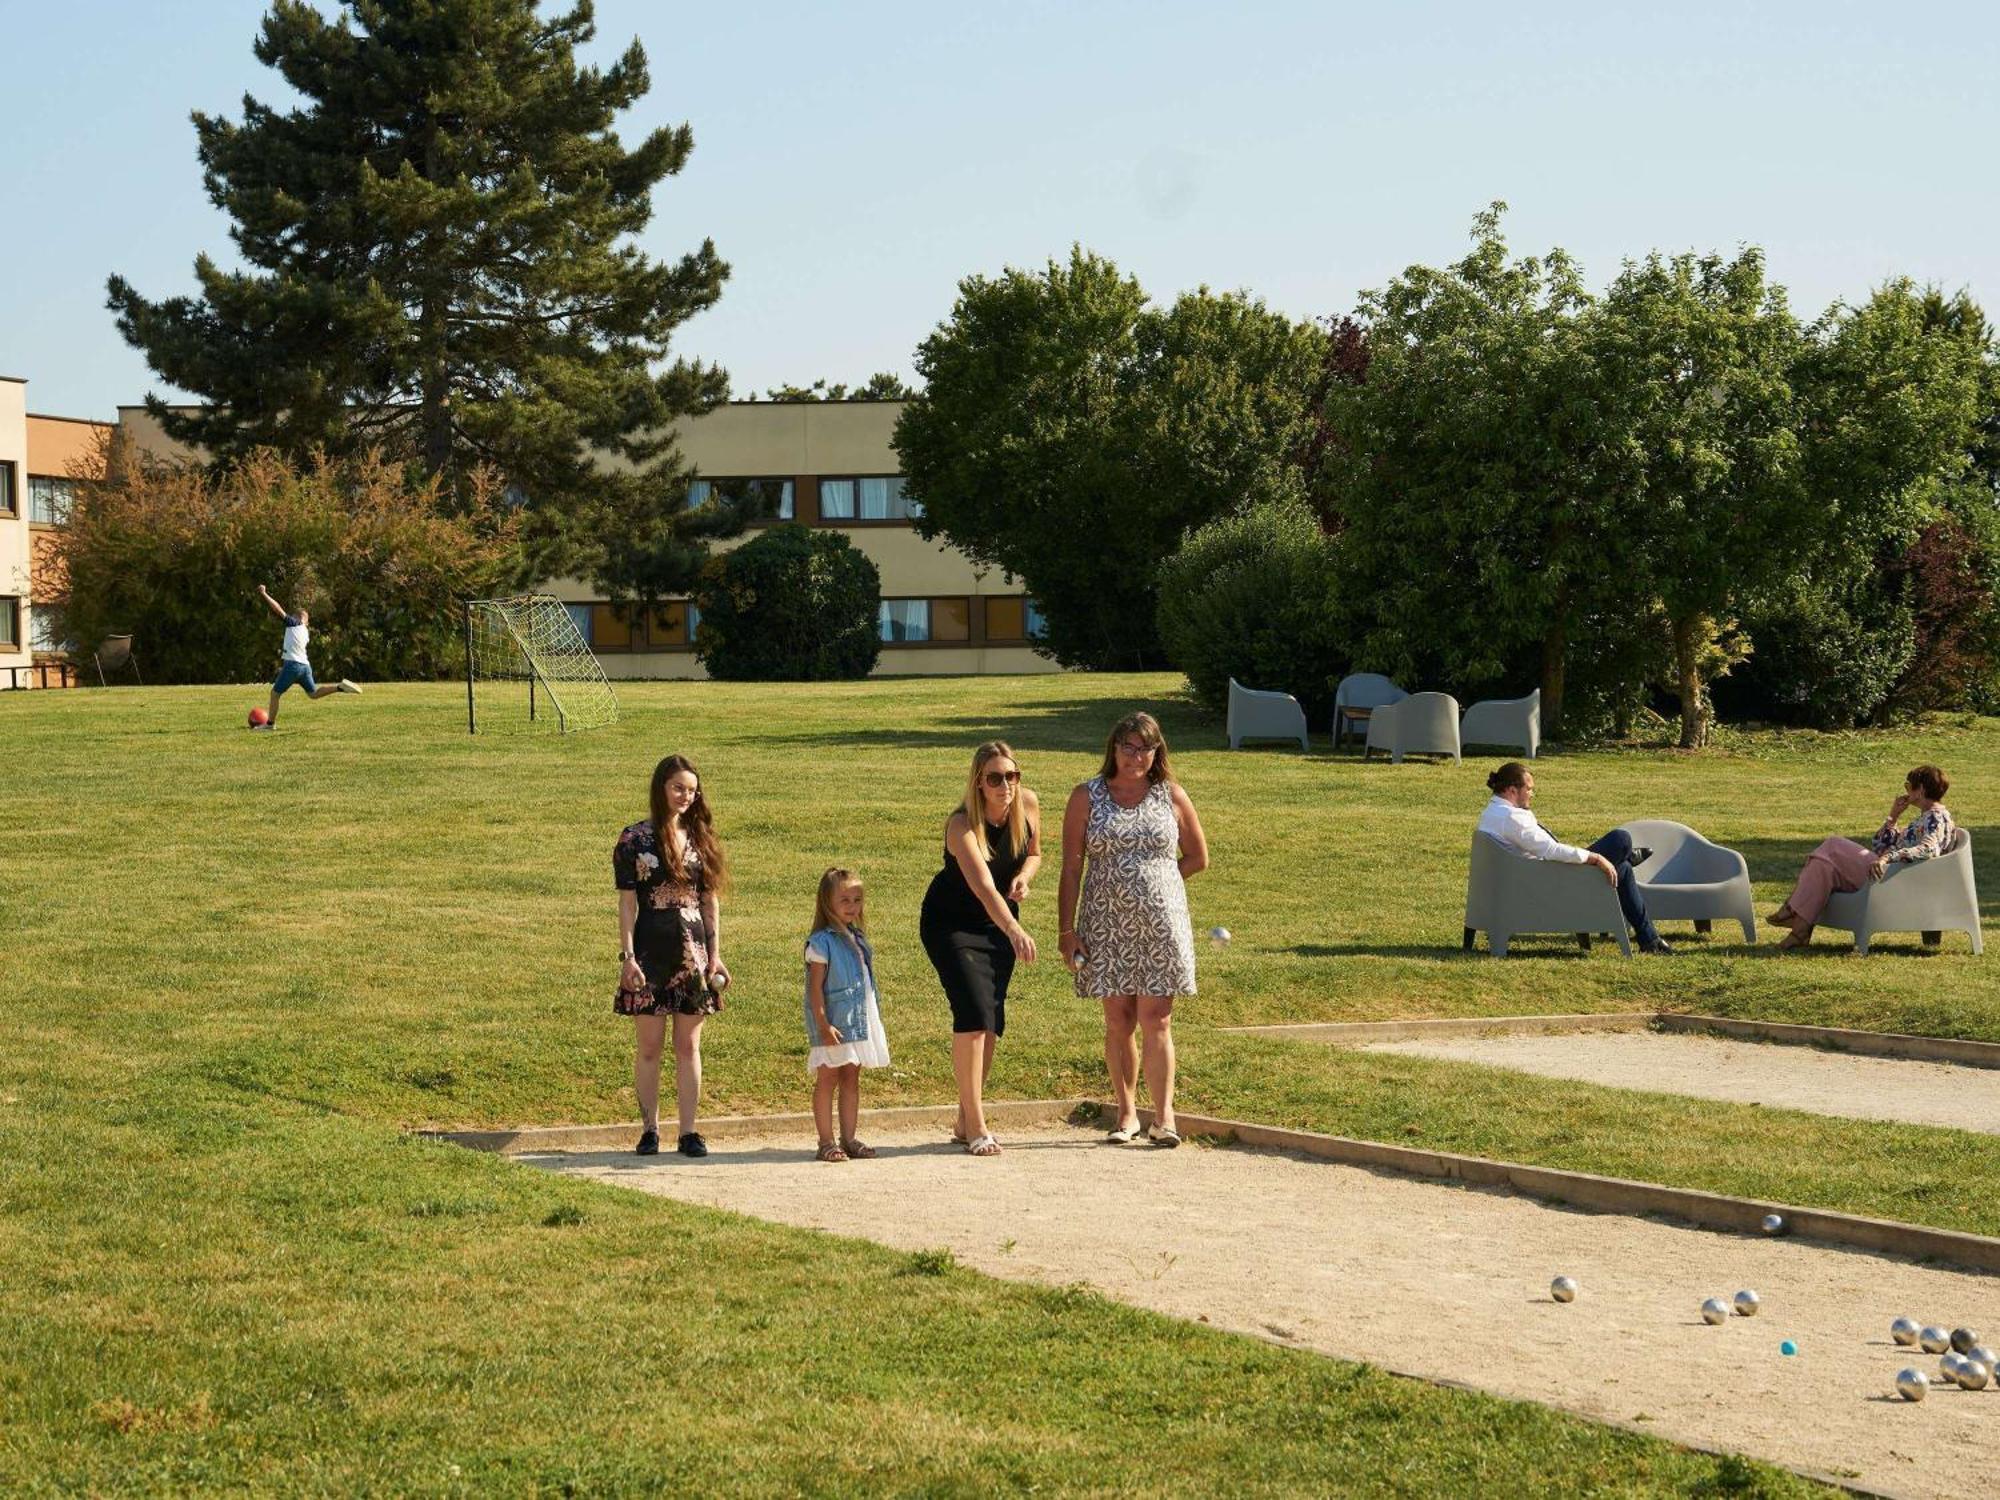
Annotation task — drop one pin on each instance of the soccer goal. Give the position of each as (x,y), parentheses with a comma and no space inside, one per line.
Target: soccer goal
(531,641)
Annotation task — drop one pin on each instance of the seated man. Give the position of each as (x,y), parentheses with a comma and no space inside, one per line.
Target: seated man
(1507,818)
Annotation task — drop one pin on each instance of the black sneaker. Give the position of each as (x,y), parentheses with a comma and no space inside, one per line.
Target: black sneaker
(693,1145)
(1640,855)
(1659,946)
(649,1144)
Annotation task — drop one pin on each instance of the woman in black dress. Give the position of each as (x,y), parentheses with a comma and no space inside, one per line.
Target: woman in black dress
(669,872)
(971,921)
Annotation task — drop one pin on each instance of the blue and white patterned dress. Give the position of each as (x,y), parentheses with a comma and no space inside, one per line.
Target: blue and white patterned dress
(1133,922)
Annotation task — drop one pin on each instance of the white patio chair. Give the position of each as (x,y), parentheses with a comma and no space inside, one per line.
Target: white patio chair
(1507,894)
(1927,896)
(1258,715)
(1364,690)
(1690,879)
(1421,724)
(1515,723)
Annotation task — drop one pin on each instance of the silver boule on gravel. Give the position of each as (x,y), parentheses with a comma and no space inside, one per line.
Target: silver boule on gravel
(1563,1289)
(1715,1310)
(1972,1375)
(1948,1366)
(1773,1224)
(1904,1331)
(1747,1303)
(1912,1385)
(1932,1339)
(1986,1357)
(1964,1340)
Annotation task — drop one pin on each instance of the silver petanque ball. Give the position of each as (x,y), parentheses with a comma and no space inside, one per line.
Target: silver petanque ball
(1715,1310)
(1972,1375)
(1986,1357)
(1219,936)
(1932,1339)
(1747,1304)
(1964,1340)
(1948,1366)
(1774,1224)
(1904,1331)
(1912,1385)
(1563,1289)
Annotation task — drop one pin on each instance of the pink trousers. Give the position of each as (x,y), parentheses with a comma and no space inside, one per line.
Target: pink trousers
(1836,865)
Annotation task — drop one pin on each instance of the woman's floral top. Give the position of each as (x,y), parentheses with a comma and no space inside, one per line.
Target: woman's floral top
(1928,836)
(637,865)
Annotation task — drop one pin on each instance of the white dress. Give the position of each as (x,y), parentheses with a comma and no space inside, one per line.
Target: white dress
(873,1050)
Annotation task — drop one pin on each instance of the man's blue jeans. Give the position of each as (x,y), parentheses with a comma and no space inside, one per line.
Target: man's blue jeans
(1616,846)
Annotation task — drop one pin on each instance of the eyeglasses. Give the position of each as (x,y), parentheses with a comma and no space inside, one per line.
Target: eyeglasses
(998,779)
(1135,748)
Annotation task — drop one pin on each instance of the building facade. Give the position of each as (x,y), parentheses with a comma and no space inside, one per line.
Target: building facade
(826,464)
(16,568)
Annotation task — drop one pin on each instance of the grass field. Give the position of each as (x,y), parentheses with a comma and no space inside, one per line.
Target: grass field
(239,966)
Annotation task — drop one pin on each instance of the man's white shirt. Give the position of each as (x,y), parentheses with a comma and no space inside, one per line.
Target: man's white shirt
(1517,829)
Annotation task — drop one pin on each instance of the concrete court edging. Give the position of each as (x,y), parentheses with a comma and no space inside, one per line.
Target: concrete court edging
(559,1138)
(1893,1044)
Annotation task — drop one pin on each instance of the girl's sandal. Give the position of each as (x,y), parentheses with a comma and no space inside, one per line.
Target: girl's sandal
(858,1150)
(983,1145)
(828,1151)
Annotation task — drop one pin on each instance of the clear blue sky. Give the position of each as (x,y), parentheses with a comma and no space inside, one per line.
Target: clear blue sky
(853,161)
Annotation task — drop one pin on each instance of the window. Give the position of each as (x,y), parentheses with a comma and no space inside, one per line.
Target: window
(776,494)
(610,628)
(1006,619)
(49,500)
(672,624)
(579,616)
(45,628)
(871,498)
(9,503)
(1032,620)
(906,621)
(10,624)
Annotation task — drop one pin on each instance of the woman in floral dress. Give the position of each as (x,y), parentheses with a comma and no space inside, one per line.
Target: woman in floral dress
(1130,841)
(1842,865)
(669,871)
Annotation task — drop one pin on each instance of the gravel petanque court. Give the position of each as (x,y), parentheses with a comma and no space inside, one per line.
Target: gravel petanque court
(1434,1280)
(1712,1067)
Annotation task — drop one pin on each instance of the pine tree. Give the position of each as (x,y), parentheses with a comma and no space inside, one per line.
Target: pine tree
(439,261)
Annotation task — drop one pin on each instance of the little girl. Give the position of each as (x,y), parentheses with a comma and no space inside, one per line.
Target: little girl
(843,1020)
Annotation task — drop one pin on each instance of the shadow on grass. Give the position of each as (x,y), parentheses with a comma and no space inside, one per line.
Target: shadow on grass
(1521,947)
(1074,727)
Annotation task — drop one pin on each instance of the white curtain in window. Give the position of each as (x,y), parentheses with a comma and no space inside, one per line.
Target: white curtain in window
(42,628)
(579,615)
(784,499)
(906,619)
(1031,620)
(698,492)
(836,499)
(875,499)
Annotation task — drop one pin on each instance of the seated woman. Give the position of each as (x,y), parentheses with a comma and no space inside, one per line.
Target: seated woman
(1842,865)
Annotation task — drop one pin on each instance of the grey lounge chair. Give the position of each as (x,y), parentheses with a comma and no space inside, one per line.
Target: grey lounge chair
(1690,879)
(1515,723)
(1365,690)
(1421,724)
(1507,894)
(1929,896)
(1258,715)
(114,652)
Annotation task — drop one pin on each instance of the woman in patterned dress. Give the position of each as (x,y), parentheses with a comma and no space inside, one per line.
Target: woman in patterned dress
(669,872)
(1131,945)
(1842,865)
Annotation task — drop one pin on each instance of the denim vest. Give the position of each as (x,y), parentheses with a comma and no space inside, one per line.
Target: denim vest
(848,976)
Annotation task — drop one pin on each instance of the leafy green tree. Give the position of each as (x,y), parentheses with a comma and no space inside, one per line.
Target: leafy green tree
(792,605)
(1070,434)
(439,261)
(1458,469)
(883,385)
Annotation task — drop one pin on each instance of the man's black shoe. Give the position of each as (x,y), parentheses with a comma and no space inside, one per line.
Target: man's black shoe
(693,1145)
(649,1144)
(1659,946)
(1640,854)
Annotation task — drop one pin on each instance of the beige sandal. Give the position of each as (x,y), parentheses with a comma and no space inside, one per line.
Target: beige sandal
(983,1145)
(828,1151)
(858,1150)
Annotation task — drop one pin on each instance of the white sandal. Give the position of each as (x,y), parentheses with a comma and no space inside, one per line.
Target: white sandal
(983,1145)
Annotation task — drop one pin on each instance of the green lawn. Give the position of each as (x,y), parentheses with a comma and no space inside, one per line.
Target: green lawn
(239,965)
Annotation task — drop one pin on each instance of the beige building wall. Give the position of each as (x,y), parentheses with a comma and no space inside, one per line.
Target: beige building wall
(16,581)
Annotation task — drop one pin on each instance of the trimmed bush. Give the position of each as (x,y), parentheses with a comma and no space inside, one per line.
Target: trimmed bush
(1251,596)
(792,605)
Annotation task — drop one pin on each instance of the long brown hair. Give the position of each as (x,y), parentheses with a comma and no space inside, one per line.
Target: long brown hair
(1146,728)
(697,823)
(974,805)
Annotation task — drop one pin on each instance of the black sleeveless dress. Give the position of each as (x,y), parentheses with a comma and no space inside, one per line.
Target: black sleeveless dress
(973,959)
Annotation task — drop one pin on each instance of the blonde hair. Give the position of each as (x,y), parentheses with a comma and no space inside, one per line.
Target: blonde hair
(830,885)
(974,806)
(1146,728)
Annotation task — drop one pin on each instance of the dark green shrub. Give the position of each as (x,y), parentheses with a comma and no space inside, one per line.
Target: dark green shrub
(1251,596)
(1824,657)
(174,555)
(794,605)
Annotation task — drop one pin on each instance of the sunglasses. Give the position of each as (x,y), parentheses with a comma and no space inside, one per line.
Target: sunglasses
(1133,747)
(998,779)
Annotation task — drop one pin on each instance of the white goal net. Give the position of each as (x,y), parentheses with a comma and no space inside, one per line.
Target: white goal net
(527,663)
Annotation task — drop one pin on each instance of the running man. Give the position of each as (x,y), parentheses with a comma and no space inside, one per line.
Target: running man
(294,668)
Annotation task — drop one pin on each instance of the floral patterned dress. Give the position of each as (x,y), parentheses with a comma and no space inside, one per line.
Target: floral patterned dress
(670,939)
(1133,921)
